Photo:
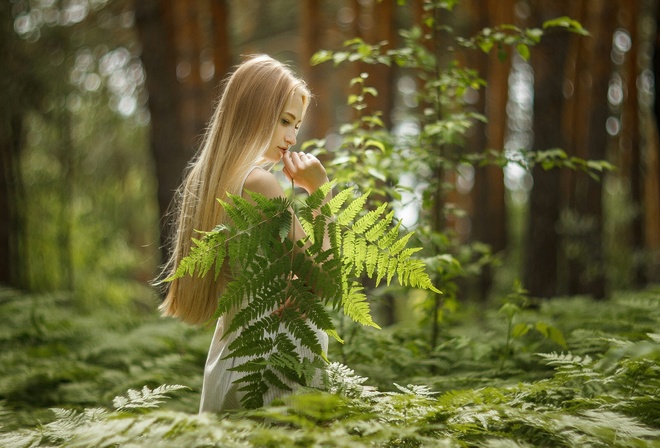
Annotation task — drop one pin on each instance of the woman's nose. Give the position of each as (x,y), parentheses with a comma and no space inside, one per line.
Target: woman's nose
(290,138)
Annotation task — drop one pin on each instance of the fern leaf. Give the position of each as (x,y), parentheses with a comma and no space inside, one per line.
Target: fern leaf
(356,306)
(271,378)
(335,335)
(267,273)
(288,364)
(363,224)
(359,257)
(398,246)
(146,398)
(233,214)
(301,331)
(255,388)
(252,312)
(388,238)
(333,206)
(350,212)
(334,232)
(245,211)
(371,259)
(314,200)
(251,365)
(203,255)
(376,232)
(382,266)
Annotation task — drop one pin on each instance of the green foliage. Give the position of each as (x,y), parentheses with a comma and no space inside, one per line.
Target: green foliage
(279,291)
(52,354)
(502,36)
(599,390)
(144,399)
(432,148)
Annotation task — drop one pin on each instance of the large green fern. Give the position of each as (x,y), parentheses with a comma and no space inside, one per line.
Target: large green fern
(267,271)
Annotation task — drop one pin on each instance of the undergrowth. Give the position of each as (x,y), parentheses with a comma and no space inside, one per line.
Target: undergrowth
(102,380)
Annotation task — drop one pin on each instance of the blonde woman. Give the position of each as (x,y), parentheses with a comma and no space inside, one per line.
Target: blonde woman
(254,126)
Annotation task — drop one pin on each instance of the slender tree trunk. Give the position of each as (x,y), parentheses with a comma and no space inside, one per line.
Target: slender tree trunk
(160,62)
(66,219)
(576,107)
(630,163)
(382,77)
(489,209)
(10,188)
(12,271)
(222,57)
(652,163)
(588,269)
(317,121)
(192,47)
(548,59)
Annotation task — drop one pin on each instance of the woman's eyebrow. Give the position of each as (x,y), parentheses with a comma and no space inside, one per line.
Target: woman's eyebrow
(291,115)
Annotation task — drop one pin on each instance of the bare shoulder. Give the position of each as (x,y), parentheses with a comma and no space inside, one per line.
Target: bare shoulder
(263,182)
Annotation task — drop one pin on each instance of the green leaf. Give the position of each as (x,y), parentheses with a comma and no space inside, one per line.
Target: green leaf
(520,329)
(523,51)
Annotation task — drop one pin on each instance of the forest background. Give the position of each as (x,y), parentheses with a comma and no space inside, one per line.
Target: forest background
(536,176)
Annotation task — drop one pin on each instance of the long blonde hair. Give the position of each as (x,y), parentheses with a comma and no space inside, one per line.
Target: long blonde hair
(238,135)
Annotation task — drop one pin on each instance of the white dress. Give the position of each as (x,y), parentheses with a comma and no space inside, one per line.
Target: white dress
(218,391)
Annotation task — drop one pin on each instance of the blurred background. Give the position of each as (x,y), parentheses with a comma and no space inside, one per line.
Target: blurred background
(104,103)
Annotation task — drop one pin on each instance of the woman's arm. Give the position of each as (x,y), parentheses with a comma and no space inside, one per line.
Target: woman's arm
(305,170)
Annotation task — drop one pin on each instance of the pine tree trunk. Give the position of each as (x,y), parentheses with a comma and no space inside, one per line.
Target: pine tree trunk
(12,272)
(548,59)
(587,270)
(318,119)
(630,161)
(489,209)
(652,166)
(160,63)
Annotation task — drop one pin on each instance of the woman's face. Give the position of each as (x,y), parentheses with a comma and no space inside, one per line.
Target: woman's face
(286,129)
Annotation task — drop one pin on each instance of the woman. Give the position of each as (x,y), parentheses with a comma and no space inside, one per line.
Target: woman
(253,128)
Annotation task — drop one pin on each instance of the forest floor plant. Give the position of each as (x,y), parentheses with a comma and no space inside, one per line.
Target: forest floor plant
(602,389)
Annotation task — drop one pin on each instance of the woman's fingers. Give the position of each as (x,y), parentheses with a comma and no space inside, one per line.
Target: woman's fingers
(305,170)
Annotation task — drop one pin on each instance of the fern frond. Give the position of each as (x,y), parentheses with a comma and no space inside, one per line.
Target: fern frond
(272,379)
(314,200)
(146,398)
(378,229)
(333,206)
(242,212)
(362,225)
(255,387)
(349,213)
(301,331)
(250,346)
(268,273)
(203,255)
(356,306)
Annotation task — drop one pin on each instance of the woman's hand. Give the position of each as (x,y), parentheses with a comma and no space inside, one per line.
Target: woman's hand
(305,170)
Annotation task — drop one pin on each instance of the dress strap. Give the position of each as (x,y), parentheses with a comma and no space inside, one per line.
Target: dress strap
(245,178)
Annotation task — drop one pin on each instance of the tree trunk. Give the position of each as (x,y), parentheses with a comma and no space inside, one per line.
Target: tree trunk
(382,77)
(652,165)
(489,209)
(548,59)
(159,59)
(10,187)
(318,118)
(630,163)
(222,57)
(587,270)
(11,123)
